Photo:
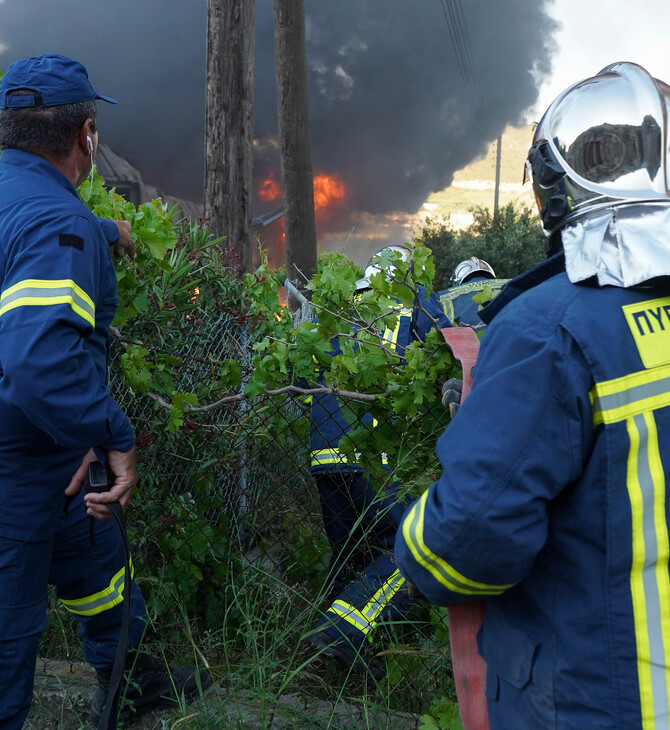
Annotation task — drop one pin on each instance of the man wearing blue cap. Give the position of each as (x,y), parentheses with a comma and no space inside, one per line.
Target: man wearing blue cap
(57,300)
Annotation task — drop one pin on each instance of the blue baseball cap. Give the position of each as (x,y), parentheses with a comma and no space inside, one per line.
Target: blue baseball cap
(54,79)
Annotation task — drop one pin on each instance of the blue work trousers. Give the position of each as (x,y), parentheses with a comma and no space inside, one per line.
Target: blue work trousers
(360,523)
(377,594)
(87,578)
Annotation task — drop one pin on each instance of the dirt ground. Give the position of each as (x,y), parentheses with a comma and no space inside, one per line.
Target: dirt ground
(62,696)
(63,692)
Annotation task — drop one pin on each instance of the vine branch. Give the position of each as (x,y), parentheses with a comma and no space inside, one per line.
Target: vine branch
(237,397)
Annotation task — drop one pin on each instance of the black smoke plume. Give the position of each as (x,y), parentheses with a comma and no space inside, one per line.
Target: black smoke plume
(402,94)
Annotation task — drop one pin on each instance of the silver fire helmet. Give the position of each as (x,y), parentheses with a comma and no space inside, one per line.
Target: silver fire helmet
(470,268)
(374,266)
(602,143)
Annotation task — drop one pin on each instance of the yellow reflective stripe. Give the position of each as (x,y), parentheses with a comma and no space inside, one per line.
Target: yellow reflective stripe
(621,398)
(391,335)
(649,580)
(332,456)
(351,615)
(328,456)
(46,292)
(443,573)
(632,399)
(101,601)
(663,554)
(636,583)
(448,307)
(382,597)
(366,619)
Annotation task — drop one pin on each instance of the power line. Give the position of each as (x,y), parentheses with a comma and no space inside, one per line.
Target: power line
(454,17)
(451,26)
(468,50)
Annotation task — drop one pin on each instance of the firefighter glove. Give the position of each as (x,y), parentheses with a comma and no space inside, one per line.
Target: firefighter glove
(451,392)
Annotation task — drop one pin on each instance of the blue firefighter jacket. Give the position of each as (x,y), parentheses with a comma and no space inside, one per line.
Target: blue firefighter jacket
(328,422)
(459,306)
(57,300)
(552,505)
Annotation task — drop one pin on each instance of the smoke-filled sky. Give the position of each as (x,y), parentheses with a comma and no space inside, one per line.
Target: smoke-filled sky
(389,109)
(391,112)
(149,55)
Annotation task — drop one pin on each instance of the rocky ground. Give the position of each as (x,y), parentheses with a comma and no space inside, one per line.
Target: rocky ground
(63,692)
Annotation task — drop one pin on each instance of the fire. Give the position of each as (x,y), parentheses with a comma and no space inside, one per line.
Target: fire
(282,296)
(328,189)
(269,189)
(329,195)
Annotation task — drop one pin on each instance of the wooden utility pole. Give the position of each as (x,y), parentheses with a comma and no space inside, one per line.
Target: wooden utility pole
(229,123)
(294,140)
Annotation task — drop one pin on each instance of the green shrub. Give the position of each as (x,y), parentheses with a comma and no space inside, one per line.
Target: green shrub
(511,241)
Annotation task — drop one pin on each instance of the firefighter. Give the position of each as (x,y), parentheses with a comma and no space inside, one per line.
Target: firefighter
(360,520)
(559,517)
(57,300)
(470,277)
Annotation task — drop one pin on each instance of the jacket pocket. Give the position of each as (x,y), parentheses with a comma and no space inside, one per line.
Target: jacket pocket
(509,653)
(519,679)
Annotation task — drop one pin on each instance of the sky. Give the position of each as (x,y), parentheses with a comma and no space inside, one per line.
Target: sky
(596,33)
(391,116)
(391,113)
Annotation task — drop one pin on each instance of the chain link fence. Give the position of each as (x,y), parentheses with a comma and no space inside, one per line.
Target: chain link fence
(231,553)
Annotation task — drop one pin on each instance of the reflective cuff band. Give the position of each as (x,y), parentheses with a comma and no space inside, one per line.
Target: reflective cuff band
(101,601)
(382,597)
(352,615)
(365,620)
(333,456)
(44,293)
(412,530)
(330,456)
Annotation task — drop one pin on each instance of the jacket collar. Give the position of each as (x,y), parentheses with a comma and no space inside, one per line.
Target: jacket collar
(522,283)
(36,164)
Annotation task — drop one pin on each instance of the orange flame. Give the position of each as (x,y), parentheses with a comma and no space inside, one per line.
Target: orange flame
(269,189)
(282,295)
(328,189)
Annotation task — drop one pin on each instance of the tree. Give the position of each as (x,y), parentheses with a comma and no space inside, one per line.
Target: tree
(294,140)
(511,241)
(439,236)
(229,123)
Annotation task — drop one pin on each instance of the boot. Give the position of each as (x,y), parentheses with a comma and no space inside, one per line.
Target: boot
(356,657)
(152,684)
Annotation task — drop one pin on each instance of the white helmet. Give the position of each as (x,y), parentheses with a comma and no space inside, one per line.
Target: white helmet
(602,142)
(374,266)
(469,268)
